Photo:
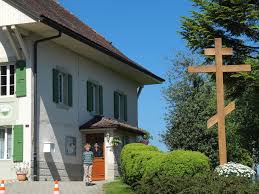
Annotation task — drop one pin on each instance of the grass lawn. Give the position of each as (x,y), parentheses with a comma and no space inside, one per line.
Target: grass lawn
(117,187)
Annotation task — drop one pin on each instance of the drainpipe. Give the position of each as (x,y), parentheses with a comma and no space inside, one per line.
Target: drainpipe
(35,64)
(139,91)
(140,88)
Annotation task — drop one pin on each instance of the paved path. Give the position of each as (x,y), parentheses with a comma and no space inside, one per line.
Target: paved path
(47,188)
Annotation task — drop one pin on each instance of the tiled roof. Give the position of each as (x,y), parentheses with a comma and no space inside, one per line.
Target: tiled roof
(101,122)
(52,12)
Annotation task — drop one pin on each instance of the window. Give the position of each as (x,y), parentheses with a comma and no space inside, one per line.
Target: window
(5,143)
(120,106)
(7,73)
(62,88)
(94,98)
(70,146)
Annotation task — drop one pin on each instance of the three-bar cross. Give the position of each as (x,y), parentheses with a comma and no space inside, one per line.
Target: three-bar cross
(222,111)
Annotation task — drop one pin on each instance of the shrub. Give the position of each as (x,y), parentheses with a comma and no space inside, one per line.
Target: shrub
(179,163)
(240,155)
(133,160)
(138,160)
(182,163)
(160,183)
(235,169)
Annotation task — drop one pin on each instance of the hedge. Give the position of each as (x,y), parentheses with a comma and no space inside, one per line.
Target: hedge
(139,160)
(133,158)
(205,184)
(181,163)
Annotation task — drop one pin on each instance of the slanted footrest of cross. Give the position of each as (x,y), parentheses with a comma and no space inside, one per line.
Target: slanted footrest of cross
(228,109)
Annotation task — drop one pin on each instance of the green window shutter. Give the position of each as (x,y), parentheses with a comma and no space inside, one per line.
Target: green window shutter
(55,85)
(89,96)
(18,143)
(20,78)
(125,108)
(116,105)
(100,100)
(70,90)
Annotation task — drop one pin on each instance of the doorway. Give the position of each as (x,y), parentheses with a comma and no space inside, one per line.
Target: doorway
(97,146)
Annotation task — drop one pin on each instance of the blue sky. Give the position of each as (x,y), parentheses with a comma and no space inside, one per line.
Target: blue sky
(146,31)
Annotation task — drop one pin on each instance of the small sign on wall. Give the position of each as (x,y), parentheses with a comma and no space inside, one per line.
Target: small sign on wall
(48,147)
(70,146)
(8,112)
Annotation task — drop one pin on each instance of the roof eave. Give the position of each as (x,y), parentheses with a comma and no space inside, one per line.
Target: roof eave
(73,34)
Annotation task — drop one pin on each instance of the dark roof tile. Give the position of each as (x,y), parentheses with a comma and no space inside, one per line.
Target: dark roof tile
(55,12)
(100,122)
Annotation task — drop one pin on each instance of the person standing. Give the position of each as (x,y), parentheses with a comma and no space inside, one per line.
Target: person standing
(97,151)
(88,157)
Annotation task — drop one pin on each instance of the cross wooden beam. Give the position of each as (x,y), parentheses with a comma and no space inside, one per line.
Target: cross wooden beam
(222,111)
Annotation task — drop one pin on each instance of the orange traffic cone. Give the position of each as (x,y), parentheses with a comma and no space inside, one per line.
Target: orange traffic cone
(2,188)
(56,188)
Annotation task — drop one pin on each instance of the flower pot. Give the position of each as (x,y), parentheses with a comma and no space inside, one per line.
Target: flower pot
(21,177)
(146,142)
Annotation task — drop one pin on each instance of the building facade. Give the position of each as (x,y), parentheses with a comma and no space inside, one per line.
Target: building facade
(62,85)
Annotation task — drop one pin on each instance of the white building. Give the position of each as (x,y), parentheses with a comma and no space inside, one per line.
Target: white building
(62,85)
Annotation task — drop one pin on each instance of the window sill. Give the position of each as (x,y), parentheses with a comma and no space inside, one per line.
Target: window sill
(9,96)
(63,106)
(93,113)
(3,160)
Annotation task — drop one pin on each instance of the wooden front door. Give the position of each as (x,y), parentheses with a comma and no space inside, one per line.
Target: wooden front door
(99,160)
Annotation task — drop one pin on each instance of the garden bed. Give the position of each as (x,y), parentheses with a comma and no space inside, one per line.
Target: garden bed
(149,171)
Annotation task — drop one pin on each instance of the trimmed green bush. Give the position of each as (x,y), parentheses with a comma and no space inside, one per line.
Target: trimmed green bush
(182,163)
(139,160)
(133,160)
(205,184)
(179,163)
(150,171)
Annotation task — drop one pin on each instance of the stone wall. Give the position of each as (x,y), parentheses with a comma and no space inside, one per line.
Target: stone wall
(50,171)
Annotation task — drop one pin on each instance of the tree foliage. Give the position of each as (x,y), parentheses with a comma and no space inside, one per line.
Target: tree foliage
(235,21)
(192,101)
(191,97)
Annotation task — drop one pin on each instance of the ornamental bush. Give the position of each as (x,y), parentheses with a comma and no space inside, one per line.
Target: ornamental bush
(235,169)
(139,160)
(160,183)
(133,160)
(183,163)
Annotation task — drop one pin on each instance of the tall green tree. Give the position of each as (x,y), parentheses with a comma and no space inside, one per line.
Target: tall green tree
(245,91)
(235,21)
(191,101)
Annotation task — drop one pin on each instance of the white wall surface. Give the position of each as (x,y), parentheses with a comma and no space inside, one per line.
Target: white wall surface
(56,122)
(22,107)
(10,15)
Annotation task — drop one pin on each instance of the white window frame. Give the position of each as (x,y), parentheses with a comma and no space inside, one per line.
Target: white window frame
(6,143)
(8,80)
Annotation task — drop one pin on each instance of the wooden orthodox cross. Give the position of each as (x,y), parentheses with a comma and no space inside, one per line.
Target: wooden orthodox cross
(222,111)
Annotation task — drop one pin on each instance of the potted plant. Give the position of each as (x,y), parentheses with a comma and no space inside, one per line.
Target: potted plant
(145,138)
(22,170)
(116,141)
